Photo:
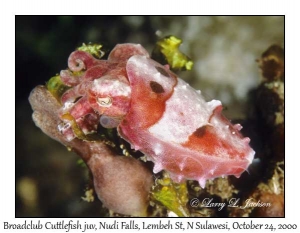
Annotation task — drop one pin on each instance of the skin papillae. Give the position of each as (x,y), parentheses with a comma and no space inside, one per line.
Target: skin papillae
(112,175)
(154,110)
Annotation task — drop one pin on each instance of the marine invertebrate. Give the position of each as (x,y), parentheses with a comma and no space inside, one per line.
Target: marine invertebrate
(155,111)
(112,174)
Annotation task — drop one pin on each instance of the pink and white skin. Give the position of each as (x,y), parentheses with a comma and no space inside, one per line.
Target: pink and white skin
(155,111)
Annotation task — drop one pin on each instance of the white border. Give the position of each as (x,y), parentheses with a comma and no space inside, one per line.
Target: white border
(10,8)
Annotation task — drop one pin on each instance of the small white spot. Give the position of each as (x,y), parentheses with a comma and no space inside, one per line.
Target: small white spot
(157,167)
(181,166)
(158,33)
(246,139)
(63,126)
(202,182)
(68,105)
(237,127)
(104,102)
(157,149)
